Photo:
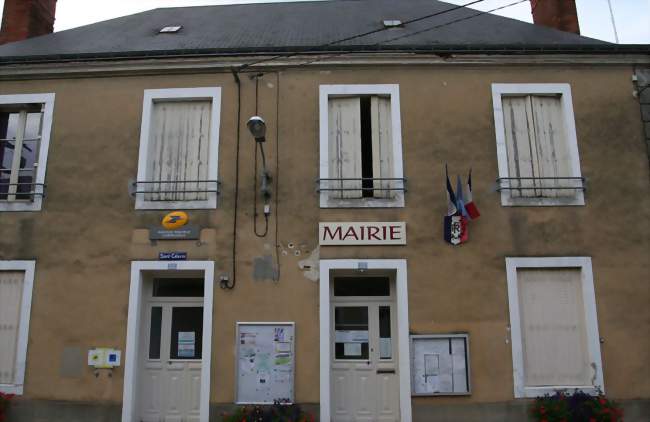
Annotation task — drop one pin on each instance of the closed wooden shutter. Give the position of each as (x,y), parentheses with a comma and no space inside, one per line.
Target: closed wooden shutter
(345,147)
(11,293)
(178,151)
(382,146)
(536,146)
(554,336)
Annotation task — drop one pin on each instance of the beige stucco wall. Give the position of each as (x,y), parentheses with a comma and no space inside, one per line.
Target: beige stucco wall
(83,240)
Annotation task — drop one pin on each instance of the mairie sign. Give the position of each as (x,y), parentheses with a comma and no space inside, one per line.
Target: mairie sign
(362,233)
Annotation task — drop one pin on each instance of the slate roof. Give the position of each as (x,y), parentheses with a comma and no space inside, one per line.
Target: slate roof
(296,26)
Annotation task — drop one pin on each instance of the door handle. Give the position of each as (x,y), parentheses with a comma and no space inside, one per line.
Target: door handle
(385,371)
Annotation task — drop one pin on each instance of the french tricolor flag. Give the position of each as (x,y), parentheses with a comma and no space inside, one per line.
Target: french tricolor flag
(455,225)
(470,207)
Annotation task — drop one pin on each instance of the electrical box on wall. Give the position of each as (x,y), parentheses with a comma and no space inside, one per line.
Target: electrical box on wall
(104,358)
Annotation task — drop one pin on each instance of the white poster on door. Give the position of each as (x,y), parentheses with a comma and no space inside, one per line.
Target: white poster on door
(186,344)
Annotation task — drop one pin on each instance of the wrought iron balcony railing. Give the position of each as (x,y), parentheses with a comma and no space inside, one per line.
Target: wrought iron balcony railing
(364,187)
(541,186)
(21,191)
(174,190)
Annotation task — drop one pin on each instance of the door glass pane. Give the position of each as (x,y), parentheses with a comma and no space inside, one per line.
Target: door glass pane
(351,332)
(361,286)
(154,332)
(385,342)
(178,287)
(187,330)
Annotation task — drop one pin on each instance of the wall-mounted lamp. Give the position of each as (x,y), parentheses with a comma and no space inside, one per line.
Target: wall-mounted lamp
(257,127)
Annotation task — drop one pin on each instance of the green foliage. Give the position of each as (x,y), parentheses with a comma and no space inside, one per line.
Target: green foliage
(274,413)
(576,407)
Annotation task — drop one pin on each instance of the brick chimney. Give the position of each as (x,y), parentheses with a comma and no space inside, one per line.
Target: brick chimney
(24,19)
(558,14)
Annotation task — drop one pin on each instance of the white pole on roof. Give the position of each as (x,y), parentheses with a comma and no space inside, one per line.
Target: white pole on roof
(611,14)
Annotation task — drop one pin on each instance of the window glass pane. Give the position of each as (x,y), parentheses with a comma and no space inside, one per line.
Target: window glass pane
(187,332)
(154,332)
(351,332)
(10,123)
(361,286)
(385,342)
(6,158)
(33,126)
(6,154)
(178,287)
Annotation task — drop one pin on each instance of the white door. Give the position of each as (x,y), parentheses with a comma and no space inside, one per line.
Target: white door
(171,362)
(364,374)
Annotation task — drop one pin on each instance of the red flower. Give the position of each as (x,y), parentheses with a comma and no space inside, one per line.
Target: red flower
(592,420)
(542,410)
(602,401)
(544,420)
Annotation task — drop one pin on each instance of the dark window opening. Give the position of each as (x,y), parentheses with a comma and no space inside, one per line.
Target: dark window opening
(351,332)
(178,287)
(366,148)
(187,333)
(155,330)
(361,286)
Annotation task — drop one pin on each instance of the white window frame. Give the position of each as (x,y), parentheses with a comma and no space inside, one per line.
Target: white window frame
(202,93)
(591,321)
(564,90)
(391,90)
(23,330)
(47,99)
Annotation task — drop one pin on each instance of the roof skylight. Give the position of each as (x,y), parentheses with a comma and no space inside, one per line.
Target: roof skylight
(392,23)
(170,29)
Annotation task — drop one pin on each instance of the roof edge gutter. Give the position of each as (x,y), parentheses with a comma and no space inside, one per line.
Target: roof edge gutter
(446,50)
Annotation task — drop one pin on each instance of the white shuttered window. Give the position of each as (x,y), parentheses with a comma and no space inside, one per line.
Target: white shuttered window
(360,147)
(179,144)
(555,341)
(536,145)
(11,292)
(16,283)
(345,147)
(360,141)
(553,327)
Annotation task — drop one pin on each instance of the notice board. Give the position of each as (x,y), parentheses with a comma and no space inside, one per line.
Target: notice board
(265,362)
(440,365)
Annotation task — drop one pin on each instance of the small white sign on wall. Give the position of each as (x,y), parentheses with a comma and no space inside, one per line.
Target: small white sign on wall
(362,233)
